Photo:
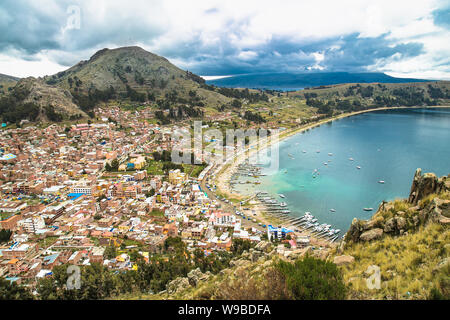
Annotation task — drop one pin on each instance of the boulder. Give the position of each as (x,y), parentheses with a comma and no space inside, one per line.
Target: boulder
(371,234)
(389,225)
(343,260)
(195,276)
(263,246)
(401,223)
(177,285)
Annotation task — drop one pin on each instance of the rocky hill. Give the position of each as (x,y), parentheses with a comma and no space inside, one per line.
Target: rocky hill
(6,78)
(408,240)
(33,99)
(7,82)
(133,71)
(402,216)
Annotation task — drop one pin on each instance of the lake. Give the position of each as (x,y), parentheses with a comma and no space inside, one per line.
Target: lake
(387,146)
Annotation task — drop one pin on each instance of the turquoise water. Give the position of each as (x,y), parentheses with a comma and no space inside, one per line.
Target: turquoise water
(387,145)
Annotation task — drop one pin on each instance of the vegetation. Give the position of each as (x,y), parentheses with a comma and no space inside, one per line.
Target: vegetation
(412,266)
(11,291)
(98,282)
(5,235)
(312,279)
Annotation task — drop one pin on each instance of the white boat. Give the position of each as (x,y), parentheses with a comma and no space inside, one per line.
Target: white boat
(381,181)
(325,163)
(282,195)
(351,159)
(358,167)
(368,209)
(304,151)
(318,151)
(333,210)
(330,154)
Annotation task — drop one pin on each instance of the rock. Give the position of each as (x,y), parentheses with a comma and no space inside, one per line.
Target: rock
(373,223)
(371,234)
(401,222)
(424,185)
(390,225)
(195,276)
(255,255)
(343,260)
(263,246)
(177,285)
(444,220)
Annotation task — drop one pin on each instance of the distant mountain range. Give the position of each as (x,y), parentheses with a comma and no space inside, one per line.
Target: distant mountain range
(6,78)
(296,81)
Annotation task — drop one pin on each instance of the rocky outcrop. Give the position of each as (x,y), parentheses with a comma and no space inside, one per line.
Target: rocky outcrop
(398,217)
(371,234)
(426,184)
(343,260)
(194,277)
(177,285)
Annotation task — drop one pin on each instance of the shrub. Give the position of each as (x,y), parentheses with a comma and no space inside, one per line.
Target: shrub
(312,279)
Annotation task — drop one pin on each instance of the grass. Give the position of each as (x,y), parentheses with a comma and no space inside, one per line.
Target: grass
(5,215)
(408,264)
(156,213)
(155,168)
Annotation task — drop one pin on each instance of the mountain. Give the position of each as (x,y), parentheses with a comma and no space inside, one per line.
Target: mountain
(296,81)
(6,78)
(33,99)
(136,73)
(7,82)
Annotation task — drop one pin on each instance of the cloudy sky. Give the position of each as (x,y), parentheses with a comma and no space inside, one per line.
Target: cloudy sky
(216,37)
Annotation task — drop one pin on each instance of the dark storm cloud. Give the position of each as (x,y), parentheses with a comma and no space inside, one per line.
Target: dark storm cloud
(349,53)
(27,29)
(31,27)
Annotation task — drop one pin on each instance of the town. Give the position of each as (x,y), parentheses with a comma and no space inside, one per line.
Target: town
(100,192)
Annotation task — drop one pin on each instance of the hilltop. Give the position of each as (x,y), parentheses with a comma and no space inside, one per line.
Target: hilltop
(6,78)
(33,99)
(132,72)
(7,82)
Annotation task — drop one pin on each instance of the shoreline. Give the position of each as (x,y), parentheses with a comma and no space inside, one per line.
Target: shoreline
(226,167)
(225,170)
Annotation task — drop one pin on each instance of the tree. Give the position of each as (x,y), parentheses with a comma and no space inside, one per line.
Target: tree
(312,279)
(5,235)
(236,103)
(12,291)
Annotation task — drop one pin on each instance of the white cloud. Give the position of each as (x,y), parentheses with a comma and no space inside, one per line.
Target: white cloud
(185,31)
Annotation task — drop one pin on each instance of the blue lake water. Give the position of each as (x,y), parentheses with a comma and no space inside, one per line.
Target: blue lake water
(387,145)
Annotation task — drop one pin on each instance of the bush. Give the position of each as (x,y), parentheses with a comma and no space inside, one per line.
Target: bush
(312,279)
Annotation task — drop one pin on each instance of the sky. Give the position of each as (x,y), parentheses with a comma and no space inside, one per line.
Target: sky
(403,38)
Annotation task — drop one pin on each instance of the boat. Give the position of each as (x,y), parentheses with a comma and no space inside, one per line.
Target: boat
(368,209)
(330,154)
(318,151)
(351,159)
(325,164)
(333,210)
(358,167)
(381,181)
(304,151)
(282,195)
